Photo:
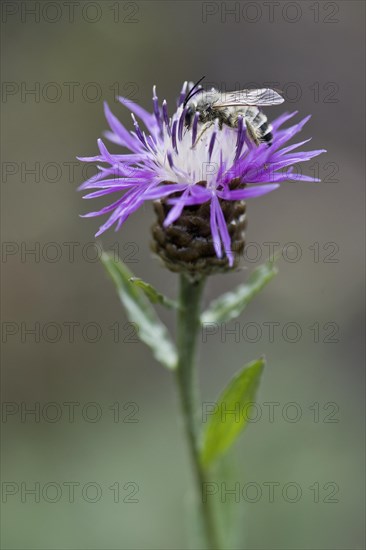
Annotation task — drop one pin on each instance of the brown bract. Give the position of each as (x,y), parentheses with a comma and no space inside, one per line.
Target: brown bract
(186,246)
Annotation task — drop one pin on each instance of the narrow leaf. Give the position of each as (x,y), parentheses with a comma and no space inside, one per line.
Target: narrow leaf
(152,294)
(231,304)
(151,330)
(230,517)
(230,412)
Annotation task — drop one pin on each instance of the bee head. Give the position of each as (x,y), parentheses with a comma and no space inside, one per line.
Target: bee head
(189,115)
(191,106)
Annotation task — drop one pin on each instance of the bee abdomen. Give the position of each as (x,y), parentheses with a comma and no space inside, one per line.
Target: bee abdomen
(265,133)
(259,122)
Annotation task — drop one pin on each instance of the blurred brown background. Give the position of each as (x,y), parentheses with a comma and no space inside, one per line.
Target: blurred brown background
(75,55)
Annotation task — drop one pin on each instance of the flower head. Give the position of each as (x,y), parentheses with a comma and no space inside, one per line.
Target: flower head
(187,170)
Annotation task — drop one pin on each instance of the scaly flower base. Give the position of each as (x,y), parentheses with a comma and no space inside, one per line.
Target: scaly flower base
(186,246)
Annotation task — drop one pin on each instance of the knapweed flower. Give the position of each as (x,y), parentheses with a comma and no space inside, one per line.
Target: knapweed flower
(199,182)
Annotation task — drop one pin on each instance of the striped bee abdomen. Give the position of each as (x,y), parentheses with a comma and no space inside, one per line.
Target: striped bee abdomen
(258,123)
(265,131)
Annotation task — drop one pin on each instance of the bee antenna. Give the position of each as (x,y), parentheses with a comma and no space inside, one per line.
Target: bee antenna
(190,94)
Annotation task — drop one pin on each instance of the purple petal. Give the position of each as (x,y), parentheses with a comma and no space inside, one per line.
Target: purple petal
(305,155)
(212,141)
(291,147)
(181,123)
(97,158)
(92,181)
(113,138)
(224,233)
(174,136)
(139,133)
(198,195)
(134,203)
(282,119)
(116,182)
(124,136)
(147,118)
(107,191)
(105,153)
(123,210)
(248,192)
(157,109)
(285,135)
(301,177)
(104,210)
(170,159)
(221,170)
(241,137)
(176,211)
(111,220)
(182,94)
(163,191)
(199,191)
(166,117)
(214,228)
(195,128)
(190,201)
(300,157)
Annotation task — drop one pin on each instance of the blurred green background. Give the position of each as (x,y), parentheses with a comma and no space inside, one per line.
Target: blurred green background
(313,50)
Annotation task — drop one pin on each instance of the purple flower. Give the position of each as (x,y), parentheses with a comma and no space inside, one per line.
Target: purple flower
(162,162)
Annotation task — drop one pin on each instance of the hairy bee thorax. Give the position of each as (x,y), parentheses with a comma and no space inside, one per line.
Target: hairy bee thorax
(186,246)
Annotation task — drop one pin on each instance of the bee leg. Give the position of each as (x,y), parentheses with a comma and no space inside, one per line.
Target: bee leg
(208,125)
(251,132)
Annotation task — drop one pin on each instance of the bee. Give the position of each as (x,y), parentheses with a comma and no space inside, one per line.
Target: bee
(228,107)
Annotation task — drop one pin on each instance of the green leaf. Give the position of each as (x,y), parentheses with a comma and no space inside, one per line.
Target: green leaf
(151,330)
(224,425)
(231,304)
(230,517)
(152,294)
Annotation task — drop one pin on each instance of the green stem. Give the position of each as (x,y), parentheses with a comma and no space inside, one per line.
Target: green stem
(188,329)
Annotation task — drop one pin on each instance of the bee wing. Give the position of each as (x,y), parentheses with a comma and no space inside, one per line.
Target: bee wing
(259,98)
